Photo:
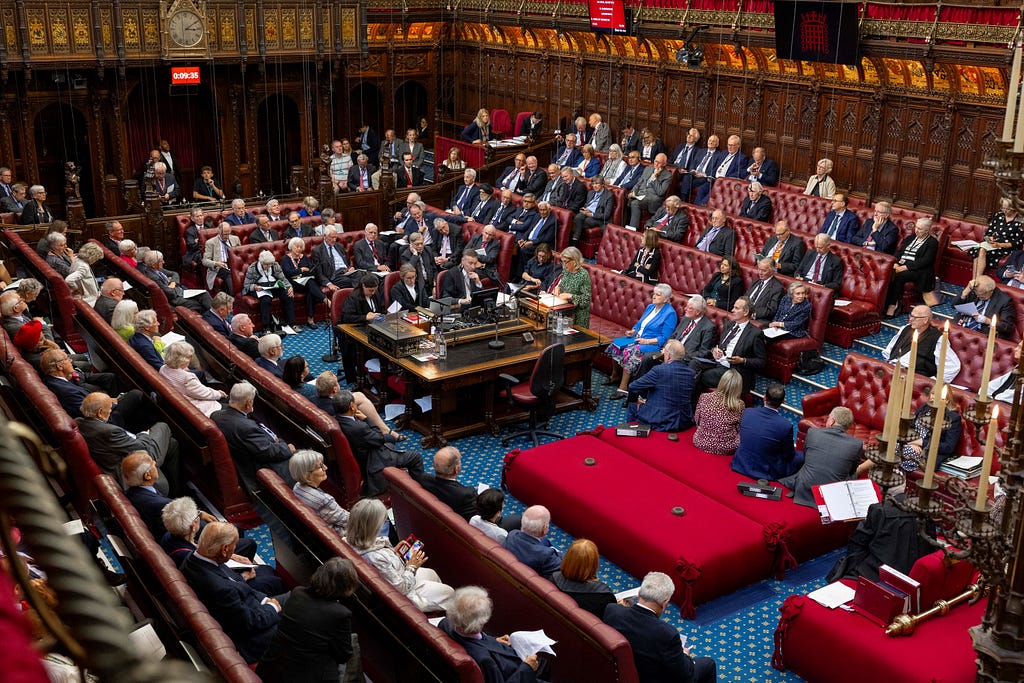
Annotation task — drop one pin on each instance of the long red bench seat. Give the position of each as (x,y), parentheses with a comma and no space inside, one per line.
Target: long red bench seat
(204,452)
(182,220)
(797,529)
(957,265)
(522,600)
(143,290)
(642,519)
(288,414)
(161,591)
(397,642)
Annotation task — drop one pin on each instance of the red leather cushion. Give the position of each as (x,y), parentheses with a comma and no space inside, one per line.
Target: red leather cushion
(618,246)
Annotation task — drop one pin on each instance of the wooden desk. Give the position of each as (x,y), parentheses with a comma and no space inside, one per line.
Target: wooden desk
(465,381)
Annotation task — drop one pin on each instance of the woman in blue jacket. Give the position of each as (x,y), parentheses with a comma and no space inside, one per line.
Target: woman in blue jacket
(649,333)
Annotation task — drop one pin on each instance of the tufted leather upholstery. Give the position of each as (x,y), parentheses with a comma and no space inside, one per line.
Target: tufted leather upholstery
(151,292)
(865,284)
(970,349)
(563,232)
(618,246)
(53,284)
(463,555)
(617,302)
(155,575)
(1018,303)
(591,239)
(8,218)
(397,641)
(204,452)
(728,194)
(183,220)
(956,265)
(240,258)
(291,416)
(505,254)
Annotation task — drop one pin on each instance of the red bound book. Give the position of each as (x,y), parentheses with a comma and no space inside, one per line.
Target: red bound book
(877,602)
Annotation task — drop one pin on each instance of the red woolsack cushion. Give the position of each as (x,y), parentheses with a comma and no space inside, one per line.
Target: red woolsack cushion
(795,528)
(626,508)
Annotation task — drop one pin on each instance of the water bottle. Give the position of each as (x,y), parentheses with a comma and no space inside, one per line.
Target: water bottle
(514,306)
(560,325)
(442,347)
(436,337)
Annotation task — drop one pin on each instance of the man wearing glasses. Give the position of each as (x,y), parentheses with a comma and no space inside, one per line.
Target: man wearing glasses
(927,346)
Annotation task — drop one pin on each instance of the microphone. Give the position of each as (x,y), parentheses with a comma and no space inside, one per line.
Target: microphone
(496,344)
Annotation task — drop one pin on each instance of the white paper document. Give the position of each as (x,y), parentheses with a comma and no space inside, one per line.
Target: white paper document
(172,337)
(287,329)
(146,642)
(424,404)
(847,500)
(395,307)
(965,244)
(231,564)
(773,332)
(373,365)
(393,410)
(832,595)
(839,303)
(967,309)
(192,293)
(481,487)
(302,279)
(630,594)
(263,293)
(964,462)
(527,643)
(550,300)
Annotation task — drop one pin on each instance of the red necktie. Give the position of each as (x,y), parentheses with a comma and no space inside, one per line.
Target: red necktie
(689,329)
(663,222)
(817,268)
(373,248)
(362,179)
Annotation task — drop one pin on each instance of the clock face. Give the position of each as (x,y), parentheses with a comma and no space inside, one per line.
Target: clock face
(186,28)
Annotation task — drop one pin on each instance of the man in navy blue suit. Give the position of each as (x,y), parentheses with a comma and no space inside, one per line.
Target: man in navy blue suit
(667,390)
(766,440)
(840,223)
(252,444)
(218,314)
(657,651)
(530,544)
(732,163)
(271,350)
(762,169)
(879,233)
(147,325)
(247,616)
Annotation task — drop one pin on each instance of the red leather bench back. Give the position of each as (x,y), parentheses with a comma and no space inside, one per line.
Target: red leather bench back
(505,253)
(616,298)
(970,349)
(956,264)
(1018,303)
(564,230)
(685,269)
(728,194)
(398,643)
(866,274)
(153,296)
(618,246)
(522,599)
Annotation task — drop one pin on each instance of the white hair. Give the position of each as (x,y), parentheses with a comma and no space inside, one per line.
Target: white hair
(657,588)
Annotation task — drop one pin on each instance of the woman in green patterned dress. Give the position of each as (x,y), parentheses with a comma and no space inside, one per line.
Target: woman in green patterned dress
(574,285)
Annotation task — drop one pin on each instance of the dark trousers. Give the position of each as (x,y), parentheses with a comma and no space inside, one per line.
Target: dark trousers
(580,223)
(287,302)
(314,295)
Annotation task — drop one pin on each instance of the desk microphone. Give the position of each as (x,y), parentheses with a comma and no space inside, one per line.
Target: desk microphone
(495,344)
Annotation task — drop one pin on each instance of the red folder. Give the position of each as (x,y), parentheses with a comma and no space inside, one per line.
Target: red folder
(877,602)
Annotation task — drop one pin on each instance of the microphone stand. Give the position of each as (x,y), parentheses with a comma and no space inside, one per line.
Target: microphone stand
(496,344)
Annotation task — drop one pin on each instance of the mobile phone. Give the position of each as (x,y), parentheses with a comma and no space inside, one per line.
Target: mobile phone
(407,547)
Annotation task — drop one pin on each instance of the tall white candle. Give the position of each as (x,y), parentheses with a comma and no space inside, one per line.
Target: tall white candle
(940,380)
(1011,95)
(908,396)
(986,463)
(986,371)
(933,445)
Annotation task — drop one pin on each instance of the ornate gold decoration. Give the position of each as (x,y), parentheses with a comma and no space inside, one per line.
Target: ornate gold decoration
(289,33)
(349,21)
(150,30)
(306,27)
(131,29)
(106,30)
(227,29)
(9,30)
(270,34)
(250,27)
(36,30)
(211,30)
(181,29)
(58,20)
(82,36)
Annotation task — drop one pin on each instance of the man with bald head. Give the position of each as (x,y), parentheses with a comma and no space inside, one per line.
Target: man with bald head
(453,493)
(111,292)
(730,164)
(927,346)
(530,545)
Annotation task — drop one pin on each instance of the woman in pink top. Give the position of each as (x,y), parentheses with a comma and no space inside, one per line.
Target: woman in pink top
(177,358)
(718,416)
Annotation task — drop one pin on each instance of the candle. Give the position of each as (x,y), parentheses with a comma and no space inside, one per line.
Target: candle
(940,380)
(986,463)
(933,445)
(892,408)
(1011,96)
(894,427)
(908,396)
(990,348)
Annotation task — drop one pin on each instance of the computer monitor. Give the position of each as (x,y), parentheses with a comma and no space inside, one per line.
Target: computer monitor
(485,297)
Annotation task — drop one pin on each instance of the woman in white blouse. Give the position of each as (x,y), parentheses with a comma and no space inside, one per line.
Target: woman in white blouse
(80,278)
(177,358)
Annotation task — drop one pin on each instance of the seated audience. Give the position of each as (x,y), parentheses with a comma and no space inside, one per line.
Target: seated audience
(784,249)
(830,455)
(574,285)
(177,361)
(649,192)
(766,439)
(878,233)
(657,652)
(55,227)
(373,449)
(133,410)
(296,228)
(273,210)
(146,341)
(990,303)
(742,347)
(485,207)
(1004,234)
(661,398)
(915,452)
(216,253)
(464,198)
(296,265)
(794,312)
(315,636)
(327,386)
(840,223)
(309,471)
(1001,388)
(928,346)
(468,612)
(530,545)
(182,521)
(421,585)
(725,286)
(697,333)
(647,335)
(139,474)
(266,281)
(670,220)
(717,238)
(80,277)
(15,314)
(821,184)
(35,211)
(915,264)
(488,518)
(263,232)
(577,578)
(248,616)
(647,261)
(123,318)
(60,256)
(540,272)
(220,311)
(152,266)
(15,201)
(359,176)
(567,155)
(242,336)
(765,293)
(718,414)
(252,444)
(757,205)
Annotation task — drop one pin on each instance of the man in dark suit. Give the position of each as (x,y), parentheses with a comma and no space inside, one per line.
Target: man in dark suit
(830,454)
(878,233)
(718,238)
(169,158)
(242,335)
(695,330)
(218,314)
(784,249)
(109,444)
(534,178)
(373,450)
(741,348)
(504,212)
(553,187)
(408,175)
(730,163)
(133,410)
(762,169)
(766,440)
(140,476)
(532,125)
(468,612)
(522,217)
(511,177)
(460,282)
(252,444)
(704,163)
(247,616)
(331,267)
(631,173)
(821,266)
(368,141)
(465,196)
(765,292)
(239,215)
(6,178)
(568,155)
(630,140)
(263,232)
(664,394)
(574,192)
(685,156)
(15,201)
(423,259)
(111,293)
(657,652)
(530,545)
(757,206)
(170,283)
(447,244)
(360,176)
(485,207)
(147,326)
(670,220)
(596,210)
(543,229)
(271,351)
(449,490)
(840,223)
(296,228)
(369,253)
(990,302)
(487,247)
(648,194)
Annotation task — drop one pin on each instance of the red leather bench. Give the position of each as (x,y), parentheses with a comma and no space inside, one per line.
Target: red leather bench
(163,593)
(957,265)
(288,414)
(618,247)
(630,510)
(506,253)
(522,599)
(591,239)
(397,642)
(143,288)
(865,284)
(204,452)
(824,645)
(1018,303)
(184,219)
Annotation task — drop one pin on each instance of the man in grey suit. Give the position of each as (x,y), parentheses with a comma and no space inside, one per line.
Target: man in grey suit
(110,444)
(215,257)
(596,210)
(649,193)
(602,134)
(252,444)
(830,454)
(695,330)
(765,292)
